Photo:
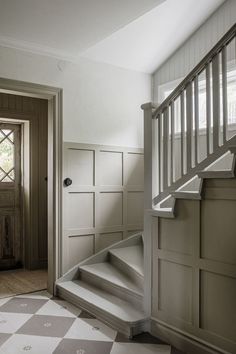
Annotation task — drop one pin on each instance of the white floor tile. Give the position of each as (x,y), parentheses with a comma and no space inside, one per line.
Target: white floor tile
(19,343)
(90,329)
(139,348)
(59,308)
(3,301)
(11,322)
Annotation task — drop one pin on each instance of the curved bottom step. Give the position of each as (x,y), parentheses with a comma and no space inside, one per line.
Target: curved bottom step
(116,312)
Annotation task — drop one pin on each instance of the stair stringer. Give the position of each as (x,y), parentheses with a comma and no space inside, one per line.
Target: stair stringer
(223,167)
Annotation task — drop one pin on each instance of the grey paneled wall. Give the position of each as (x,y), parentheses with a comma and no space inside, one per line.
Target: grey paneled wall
(194,268)
(104,204)
(196,47)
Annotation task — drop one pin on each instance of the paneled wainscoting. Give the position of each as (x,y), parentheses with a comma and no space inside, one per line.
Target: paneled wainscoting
(104,203)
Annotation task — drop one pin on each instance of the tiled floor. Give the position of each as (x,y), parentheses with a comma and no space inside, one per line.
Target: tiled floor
(40,324)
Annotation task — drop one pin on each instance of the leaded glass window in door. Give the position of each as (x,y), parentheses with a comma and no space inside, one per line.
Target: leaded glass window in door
(7,158)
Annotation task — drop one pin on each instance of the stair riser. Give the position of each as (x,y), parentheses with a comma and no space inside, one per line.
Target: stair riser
(121,326)
(124,268)
(135,299)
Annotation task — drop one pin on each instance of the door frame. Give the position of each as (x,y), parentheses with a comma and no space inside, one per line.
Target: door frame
(54,96)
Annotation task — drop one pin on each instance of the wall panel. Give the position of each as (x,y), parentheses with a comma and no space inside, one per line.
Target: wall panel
(104,203)
(194,269)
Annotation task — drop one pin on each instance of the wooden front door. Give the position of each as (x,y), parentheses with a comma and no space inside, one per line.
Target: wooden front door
(10,196)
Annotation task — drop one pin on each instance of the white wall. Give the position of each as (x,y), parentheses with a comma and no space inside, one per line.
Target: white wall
(196,47)
(101,103)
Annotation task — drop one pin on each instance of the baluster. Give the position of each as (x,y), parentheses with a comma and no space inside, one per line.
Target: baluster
(160,168)
(172,142)
(196,116)
(189,123)
(165,146)
(224,91)
(216,100)
(182,116)
(208,108)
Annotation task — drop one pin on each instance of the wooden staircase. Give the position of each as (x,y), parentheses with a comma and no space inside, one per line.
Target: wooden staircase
(110,286)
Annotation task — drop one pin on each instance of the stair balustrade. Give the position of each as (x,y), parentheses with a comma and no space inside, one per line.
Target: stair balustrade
(194,125)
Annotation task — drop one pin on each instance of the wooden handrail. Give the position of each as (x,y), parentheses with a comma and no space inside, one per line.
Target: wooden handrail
(197,70)
(166,147)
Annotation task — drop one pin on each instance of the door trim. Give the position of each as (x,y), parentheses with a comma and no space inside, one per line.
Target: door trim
(55,144)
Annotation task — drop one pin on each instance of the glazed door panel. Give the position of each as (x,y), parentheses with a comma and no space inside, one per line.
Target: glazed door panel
(10,197)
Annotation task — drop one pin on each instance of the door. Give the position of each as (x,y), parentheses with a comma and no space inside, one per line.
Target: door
(10,197)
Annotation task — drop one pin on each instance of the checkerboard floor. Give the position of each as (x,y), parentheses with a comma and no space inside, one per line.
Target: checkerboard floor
(40,324)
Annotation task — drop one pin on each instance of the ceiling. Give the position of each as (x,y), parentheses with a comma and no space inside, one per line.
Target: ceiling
(147,42)
(133,34)
(65,28)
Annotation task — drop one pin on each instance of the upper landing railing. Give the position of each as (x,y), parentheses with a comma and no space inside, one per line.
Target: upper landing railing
(194,125)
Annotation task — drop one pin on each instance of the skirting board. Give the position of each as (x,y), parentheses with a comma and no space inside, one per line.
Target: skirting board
(183,341)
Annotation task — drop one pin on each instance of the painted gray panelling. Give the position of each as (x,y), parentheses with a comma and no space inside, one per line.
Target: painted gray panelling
(196,47)
(194,270)
(104,203)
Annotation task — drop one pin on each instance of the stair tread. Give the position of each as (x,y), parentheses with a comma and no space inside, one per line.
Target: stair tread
(103,300)
(110,273)
(133,256)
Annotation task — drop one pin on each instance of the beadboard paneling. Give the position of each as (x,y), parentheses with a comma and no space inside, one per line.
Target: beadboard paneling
(196,47)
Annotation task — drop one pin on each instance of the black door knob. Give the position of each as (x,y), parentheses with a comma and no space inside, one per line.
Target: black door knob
(67,182)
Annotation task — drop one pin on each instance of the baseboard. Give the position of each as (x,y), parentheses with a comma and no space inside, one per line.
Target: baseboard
(182,340)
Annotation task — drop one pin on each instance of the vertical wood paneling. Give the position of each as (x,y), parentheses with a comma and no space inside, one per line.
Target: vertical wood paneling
(198,45)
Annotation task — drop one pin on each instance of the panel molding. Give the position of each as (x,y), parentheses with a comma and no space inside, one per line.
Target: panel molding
(124,166)
(221,270)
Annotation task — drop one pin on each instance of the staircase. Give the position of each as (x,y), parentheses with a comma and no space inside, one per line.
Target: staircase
(110,286)
(190,208)
(165,280)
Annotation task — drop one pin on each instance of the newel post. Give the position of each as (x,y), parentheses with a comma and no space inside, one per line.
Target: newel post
(148,196)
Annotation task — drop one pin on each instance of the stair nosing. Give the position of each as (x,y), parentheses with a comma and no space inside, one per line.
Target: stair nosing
(126,289)
(61,286)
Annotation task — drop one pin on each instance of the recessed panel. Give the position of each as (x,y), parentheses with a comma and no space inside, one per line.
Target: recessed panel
(218,305)
(177,234)
(106,239)
(218,228)
(79,248)
(135,208)
(110,209)
(7,199)
(80,210)
(81,166)
(111,170)
(134,169)
(175,290)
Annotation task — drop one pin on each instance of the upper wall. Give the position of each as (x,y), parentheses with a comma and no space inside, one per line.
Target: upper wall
(196,47)
(101,103)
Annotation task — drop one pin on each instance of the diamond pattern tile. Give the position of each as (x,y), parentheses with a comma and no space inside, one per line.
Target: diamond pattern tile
(39,323)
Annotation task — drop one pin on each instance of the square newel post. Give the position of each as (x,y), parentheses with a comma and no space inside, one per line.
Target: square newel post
(149,163)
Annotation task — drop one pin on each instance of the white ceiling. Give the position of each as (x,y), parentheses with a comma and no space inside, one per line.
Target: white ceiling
(133,34)
(147,42)
(65,28)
